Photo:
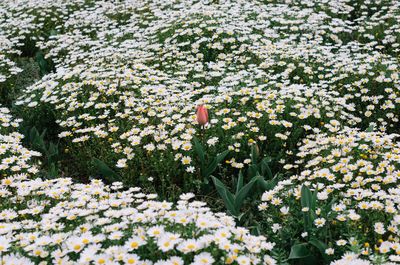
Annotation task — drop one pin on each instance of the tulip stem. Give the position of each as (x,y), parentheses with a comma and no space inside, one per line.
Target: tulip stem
(202,134)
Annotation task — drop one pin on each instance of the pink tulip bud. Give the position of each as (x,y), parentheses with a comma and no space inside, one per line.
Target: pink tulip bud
(202,115)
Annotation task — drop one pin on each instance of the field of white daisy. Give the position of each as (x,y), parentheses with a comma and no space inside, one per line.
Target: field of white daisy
(172,132)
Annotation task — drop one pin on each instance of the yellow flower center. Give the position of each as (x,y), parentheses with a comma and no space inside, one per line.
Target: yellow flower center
(134,244)
(131,261)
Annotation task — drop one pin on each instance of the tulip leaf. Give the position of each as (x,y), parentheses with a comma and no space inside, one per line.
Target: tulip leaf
(226,196)
(242,194)
(252,171)
(105,170)
(371,128)
(306,202)
(254,154)
(239,184)
(321,246)
(52,171)
(198,148)
(265,169)
(214,163)
(306,197)
(299,251)
(267,184)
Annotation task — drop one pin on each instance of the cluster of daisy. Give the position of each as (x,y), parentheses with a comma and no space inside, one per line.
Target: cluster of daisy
(354,176)
(25,22)
(59,222)
(14,157)
(7,122)
(130,74)
(353,259)
(8,67)
(141,117)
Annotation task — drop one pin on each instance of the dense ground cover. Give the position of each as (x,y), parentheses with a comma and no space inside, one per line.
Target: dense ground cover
(281,116)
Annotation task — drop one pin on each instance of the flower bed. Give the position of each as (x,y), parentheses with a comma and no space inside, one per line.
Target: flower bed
(346,198)
(291,106)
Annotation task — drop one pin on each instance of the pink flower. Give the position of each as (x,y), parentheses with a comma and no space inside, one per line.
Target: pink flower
(202,115)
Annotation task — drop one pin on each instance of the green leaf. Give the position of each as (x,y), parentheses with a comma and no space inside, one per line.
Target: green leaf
(371,128)
(198,148)
(38,142)
(37,139)
(328,207)
(239,184)
(240,216)
(222,156)
(105,171)
(41,61)
(252,171)
(34,136)
(297,133)
(52,172)
(255,229)
(52,153)
(261,183)
(265,169)
(32,133)
(53,149)
(314,200)
(267,184)
(210,169)
(231,203)
(299,251)
(254,154)
(53,32)
(306,201)
(242,195)
(306,197)
(226,196)
(213,165)
(43,134)
(321,246)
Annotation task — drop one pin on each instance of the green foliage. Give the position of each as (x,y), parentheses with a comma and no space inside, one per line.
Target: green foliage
(302,253)
(234,202)
(49,151)
(299,251)
(45,66)
(261,179)
(260,168)
(105,171)
(207,166)
(308,202)
(13,87)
